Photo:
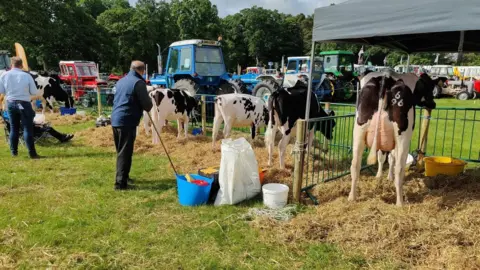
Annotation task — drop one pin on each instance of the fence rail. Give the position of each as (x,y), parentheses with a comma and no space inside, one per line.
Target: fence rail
(451,133)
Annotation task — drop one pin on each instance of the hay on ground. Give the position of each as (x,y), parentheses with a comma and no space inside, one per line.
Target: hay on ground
(436,229)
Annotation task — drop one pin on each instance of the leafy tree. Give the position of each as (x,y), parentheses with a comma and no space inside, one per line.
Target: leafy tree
(93,7)
(196,19)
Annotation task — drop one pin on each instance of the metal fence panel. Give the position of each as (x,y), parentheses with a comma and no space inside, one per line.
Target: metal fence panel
(451,133)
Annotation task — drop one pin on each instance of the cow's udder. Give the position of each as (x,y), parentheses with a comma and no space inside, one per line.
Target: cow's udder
(386,139)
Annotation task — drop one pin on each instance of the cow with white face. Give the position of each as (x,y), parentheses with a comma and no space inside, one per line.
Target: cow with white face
(238,110)
(170,105)
(285,108)
(49,90)
(385,120)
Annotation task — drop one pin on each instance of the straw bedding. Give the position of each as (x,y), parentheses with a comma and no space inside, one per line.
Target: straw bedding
(437,229)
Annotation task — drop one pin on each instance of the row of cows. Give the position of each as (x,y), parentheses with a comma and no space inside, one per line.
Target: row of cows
(284,108)
(384,122)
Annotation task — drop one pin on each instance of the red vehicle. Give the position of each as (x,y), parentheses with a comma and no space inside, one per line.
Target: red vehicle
(81,74)
(114,77)
(476,89)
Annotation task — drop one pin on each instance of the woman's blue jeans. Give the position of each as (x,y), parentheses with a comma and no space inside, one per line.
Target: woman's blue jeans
(21,113)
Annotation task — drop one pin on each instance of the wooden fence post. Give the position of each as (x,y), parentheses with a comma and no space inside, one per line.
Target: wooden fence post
(299,160)
(99,101)
(423,136)
(204,114)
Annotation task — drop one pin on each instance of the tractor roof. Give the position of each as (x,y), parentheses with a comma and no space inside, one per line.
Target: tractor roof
(198,42)
(77,62)
(302,58)
(336,52)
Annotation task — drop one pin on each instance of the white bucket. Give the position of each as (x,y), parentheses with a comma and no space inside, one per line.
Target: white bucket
(275,196)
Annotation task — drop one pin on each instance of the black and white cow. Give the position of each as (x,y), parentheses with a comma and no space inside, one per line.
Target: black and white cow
(238,110)
(170,105)
(49,90)
(285,108)
(385,120)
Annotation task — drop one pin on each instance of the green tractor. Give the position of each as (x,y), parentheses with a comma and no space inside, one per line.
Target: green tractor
(338,66)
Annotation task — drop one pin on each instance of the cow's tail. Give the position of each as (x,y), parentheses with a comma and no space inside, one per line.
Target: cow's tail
(372,156)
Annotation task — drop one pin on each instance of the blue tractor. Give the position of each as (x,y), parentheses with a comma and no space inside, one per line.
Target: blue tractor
(297,68)
(197,66)
(254,75)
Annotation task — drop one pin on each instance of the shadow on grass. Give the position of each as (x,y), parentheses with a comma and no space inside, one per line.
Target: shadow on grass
(160,185)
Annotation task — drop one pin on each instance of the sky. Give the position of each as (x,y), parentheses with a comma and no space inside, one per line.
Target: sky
(227,7)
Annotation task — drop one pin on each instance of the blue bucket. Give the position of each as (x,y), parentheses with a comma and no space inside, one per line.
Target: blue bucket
(38,103)
(70,111)
(6,116)
(190,194)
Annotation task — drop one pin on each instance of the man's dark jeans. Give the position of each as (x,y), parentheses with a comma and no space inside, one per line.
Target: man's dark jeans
(124,141)
(21,112)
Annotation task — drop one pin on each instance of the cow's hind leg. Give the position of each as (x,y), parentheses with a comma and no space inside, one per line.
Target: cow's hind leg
(185,126)
(270,141)
(381,160)
(146,122)
(401,153)
(217,122)
(359,133)
(282,147)
(391,167)
(179,127)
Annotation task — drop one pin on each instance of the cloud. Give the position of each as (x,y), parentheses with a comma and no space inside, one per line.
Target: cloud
(227,7)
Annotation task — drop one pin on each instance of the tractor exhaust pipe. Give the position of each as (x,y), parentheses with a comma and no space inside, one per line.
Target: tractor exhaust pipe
(159,60)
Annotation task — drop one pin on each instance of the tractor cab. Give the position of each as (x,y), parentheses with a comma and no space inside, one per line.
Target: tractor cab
(196,66)
(83,75)
(4,61)
(338,63)
(300,66)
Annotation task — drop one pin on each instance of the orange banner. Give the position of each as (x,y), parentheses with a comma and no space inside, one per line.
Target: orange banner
(21,53)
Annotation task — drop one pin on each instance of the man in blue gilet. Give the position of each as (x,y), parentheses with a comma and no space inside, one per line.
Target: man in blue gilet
(131,99)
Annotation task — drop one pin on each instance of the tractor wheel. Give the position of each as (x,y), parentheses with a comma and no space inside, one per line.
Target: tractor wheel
(226,88)
(86,102)
(463,95)
(437,91)
(239,86)
(264,89)
(187,85)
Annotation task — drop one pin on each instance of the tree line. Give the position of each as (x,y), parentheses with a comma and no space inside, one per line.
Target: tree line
(112,33)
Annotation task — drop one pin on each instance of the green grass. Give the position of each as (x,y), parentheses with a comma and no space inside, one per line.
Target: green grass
(62,211)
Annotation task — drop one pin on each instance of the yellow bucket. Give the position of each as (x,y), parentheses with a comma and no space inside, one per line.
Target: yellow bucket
(443,165)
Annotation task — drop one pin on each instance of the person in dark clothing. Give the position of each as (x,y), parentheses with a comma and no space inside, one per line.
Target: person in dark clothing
(131,99)
(37,129)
